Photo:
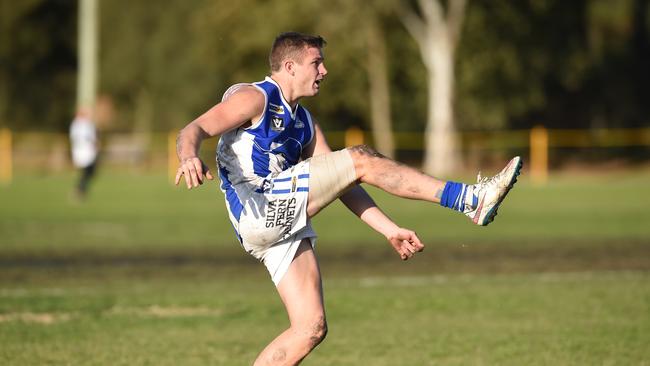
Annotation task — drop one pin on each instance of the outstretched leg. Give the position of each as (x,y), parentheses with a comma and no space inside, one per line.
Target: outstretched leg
(301,292)
(334,174)
(331,175)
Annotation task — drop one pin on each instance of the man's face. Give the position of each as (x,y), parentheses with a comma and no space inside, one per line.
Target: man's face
(310,72)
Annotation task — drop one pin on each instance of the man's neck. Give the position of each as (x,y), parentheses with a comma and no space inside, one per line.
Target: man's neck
(286,89)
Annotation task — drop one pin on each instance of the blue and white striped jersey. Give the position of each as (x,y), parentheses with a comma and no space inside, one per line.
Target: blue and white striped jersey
(247,156)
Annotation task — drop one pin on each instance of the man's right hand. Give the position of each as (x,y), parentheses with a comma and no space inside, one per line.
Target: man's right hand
(193,169)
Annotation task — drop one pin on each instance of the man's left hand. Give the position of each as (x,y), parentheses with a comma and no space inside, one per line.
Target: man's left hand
(405,242)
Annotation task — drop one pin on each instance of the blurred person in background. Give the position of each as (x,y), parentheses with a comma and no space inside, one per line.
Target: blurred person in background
(277,172)
(84,145)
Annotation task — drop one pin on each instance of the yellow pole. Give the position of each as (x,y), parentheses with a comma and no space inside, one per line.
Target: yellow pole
(539,155)
(172,159)
(353,136)
(6,158)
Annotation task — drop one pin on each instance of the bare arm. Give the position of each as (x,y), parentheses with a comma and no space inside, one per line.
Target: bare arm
(404,241)
(237,110)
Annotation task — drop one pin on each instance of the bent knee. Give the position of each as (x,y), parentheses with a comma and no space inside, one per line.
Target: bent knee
(364,157)
(314,333)
(364,152)
(318,331)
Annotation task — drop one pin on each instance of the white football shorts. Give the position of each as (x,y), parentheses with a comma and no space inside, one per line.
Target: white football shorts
(274,222)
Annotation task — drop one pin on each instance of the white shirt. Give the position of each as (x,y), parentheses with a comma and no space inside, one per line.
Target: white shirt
(83,140)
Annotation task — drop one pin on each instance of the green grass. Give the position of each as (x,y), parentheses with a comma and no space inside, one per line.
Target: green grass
(143,212)
(147,274)
(109,317)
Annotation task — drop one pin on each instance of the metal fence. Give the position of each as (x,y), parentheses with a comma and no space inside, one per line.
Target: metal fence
(544,149)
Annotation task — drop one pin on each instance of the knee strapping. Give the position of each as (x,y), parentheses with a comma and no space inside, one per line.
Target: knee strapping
(330,176)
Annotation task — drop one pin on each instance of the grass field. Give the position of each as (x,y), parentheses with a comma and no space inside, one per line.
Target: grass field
(146,274)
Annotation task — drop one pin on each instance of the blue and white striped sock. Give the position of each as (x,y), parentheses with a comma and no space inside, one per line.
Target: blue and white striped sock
(453,196)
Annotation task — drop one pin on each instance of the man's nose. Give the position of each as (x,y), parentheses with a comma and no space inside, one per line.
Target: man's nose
(323,70)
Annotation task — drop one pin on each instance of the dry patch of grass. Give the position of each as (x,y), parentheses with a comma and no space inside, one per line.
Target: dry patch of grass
(165,311)
(35,318)
(153,311)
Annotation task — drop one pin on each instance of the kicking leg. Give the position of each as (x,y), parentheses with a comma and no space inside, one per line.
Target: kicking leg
(301,292)
(331,175)
(478,201)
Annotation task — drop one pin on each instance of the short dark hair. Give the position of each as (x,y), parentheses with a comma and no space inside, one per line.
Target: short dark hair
(292,45)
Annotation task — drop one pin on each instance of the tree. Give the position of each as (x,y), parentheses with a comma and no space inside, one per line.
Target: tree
(357,33)
(149,63)
(379,88)
(437,36)
(37,63)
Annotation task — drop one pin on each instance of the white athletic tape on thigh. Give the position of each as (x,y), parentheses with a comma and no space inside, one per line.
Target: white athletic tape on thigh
(330,176)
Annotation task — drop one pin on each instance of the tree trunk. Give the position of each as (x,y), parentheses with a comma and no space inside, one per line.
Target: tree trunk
(441,154)
(380,112)
(437,35)
(88,38)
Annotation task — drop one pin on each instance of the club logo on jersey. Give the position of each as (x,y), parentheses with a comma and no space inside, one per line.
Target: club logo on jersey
(274,108)
(265,187)
(294,183)
(299,124)
(277,123)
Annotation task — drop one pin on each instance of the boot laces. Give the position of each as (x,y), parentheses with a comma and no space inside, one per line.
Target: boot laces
(485,183)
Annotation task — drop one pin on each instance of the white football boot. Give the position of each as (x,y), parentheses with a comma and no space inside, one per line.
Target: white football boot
(483,198)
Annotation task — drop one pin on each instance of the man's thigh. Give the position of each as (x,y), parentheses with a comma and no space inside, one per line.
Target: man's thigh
(330,175)
(301,290)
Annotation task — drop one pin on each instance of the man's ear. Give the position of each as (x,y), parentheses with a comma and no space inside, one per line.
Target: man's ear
(289,67)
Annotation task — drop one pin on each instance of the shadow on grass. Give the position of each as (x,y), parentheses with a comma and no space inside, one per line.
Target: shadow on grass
(361,259)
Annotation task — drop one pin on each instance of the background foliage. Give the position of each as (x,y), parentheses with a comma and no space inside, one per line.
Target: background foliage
(565,64)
